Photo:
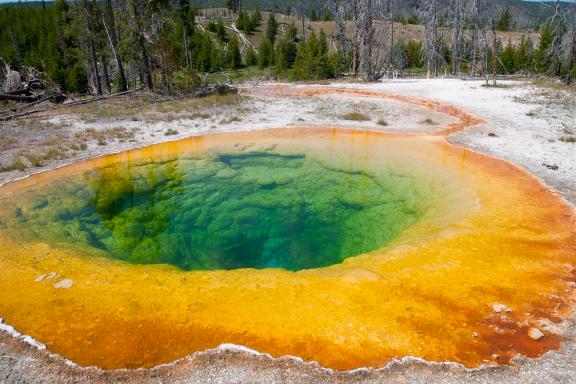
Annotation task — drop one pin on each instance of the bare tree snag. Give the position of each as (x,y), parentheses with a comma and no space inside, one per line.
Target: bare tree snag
(234,6)
(494,51)
(105,74)
(355,44)
(475,35)
(555,50)
(338,9)
(457,35)
(112,34)
(92,46)
(141,41)
(572,54)
(431,47)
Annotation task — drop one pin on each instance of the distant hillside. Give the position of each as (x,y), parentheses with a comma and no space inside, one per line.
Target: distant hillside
(526,14)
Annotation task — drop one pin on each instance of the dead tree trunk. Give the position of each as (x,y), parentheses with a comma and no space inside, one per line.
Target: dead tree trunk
(92,47)
(572,54)
(457,36)
(235,6)
(141,41)
(429,14)
(555,51)
(355,44)
(112,33)
(105,74)
(18,98)
(386,14)
(484,50)
(494,51)
(366,36)
(475,35)
(133,76)
(338,9)
(391,20)
(184,10)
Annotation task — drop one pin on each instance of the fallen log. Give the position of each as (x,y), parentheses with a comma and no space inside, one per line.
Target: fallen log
(25,92)
(18,98)
(13,114)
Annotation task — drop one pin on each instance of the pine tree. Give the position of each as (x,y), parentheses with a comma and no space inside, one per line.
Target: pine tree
(271,29)
(508,59)
(233,57)
(313,15)
(412,52)
(543,62)
(243,22)
(312,61)
(265,54)
(286,49)
(506,21)
(221,31)
(77,80)
(525,55)
(256,19)
(326,15)
(251,58)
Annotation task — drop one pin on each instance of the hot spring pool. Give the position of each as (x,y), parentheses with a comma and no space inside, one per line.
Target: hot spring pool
(228,210)
(348,248)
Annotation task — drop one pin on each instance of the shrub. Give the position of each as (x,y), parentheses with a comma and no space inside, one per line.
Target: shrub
(271,29)
(186,80)
(77,80)
(251,58)
(265,54)
(355,116)
(287,49)
(17,164)
(221,31)
(312,61)
(568,139)
(243,22)
(428,121)
(256,19)
(233,58)
(170,132)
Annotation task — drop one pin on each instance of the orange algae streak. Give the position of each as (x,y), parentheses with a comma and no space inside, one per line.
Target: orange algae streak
(491,258)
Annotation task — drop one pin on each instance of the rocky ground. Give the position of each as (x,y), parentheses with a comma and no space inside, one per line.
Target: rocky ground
(533,125)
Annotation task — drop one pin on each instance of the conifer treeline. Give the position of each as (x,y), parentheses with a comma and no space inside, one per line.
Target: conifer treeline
(111,45)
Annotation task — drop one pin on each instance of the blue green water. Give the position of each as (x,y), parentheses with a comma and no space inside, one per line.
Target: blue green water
(230,210)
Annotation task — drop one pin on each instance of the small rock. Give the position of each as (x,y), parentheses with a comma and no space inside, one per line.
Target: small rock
(40,278)
(65,283)
(553,167)
(499,308)
(535,334)
(492,134)
(474,334)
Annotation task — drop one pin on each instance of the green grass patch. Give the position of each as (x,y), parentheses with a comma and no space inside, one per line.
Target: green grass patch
(568,139)
(355,116)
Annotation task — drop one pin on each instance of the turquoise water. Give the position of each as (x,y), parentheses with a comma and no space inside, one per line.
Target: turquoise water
(261,209)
